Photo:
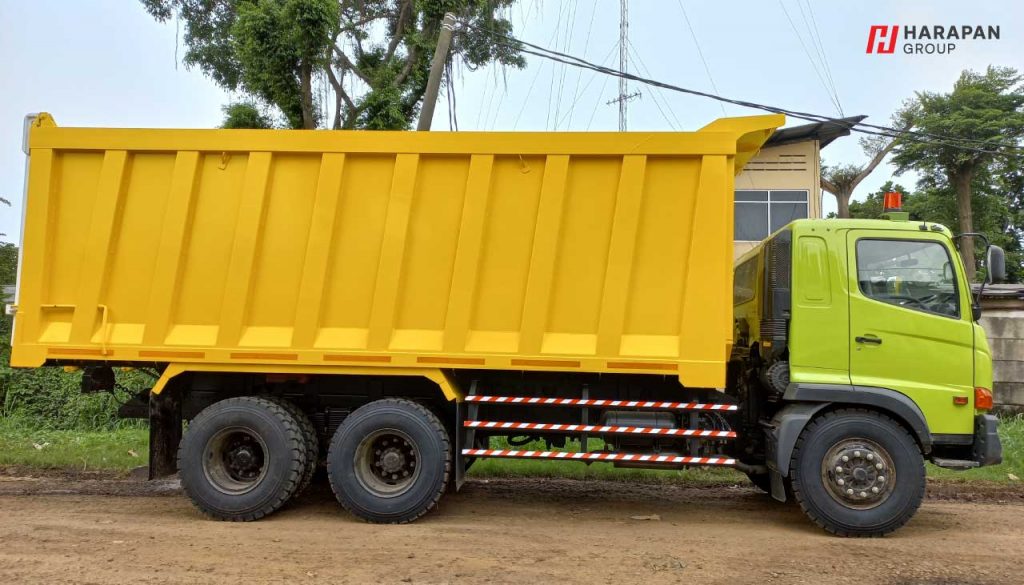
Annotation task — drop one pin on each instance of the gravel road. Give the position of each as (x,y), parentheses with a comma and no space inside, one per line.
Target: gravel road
(92,529)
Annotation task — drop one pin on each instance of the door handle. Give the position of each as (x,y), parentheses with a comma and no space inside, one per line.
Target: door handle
(872,340)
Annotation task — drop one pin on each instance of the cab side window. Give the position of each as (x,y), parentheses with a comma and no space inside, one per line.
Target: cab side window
(916,275)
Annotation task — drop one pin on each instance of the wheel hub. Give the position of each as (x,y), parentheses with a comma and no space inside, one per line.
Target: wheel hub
(235,460)
(858,473)
(386,463)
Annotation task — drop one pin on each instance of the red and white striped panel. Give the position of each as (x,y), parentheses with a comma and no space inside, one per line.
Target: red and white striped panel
(539,401)
(525,426)
(598,456)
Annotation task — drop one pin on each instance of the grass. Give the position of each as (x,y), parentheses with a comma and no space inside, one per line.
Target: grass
(24,444)
(545,468)
(1011,434)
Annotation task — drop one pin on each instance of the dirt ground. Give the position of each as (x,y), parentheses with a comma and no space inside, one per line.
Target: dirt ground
(64,528)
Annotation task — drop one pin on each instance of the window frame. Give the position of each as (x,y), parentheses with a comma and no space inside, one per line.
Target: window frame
(768,202)
(956,284)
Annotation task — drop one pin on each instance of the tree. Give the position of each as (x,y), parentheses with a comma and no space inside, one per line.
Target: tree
(245,115)
(374,54)
(871,207)
(984,108)
(841,180)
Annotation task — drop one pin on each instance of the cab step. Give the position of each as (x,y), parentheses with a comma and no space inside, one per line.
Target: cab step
(595,402)
(598,456)
(604,429)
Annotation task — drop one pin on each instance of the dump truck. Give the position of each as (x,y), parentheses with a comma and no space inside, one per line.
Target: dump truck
(394,306)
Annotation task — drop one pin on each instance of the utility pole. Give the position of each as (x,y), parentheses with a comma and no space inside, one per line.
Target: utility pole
(624,95)
(623,60)
(444,40)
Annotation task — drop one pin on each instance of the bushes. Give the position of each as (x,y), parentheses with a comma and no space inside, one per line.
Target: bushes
(49,398)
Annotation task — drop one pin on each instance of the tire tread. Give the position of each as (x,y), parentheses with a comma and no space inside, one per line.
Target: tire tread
(798,489)
(293,478)
(427,415)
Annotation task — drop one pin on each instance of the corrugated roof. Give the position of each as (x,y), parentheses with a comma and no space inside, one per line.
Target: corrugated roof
(823,132)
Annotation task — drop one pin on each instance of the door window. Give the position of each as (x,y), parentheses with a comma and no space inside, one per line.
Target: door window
(915,275)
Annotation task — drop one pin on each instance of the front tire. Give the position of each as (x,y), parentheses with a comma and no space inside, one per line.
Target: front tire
(242,458)
(389,461)
(857,473)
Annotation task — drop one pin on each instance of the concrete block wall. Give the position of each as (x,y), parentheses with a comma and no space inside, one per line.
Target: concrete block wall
(1005,330)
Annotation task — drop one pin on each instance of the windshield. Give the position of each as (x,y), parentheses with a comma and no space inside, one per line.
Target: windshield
(914,275)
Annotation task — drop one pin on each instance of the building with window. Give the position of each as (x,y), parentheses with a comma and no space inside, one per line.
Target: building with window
(783,182)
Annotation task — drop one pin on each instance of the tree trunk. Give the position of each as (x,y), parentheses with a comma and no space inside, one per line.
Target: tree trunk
(962,183)
(843,203)
(306,78)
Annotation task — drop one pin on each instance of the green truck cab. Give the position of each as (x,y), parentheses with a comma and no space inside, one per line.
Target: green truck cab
(859,355)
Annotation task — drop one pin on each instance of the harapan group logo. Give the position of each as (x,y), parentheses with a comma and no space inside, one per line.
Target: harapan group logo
(925,39)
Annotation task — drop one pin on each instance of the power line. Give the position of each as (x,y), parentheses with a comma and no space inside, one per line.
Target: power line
(700,53)
(822,53)
(586,46)
(536,50)
(581,93)
(819,48)
(657,92)
(814,65)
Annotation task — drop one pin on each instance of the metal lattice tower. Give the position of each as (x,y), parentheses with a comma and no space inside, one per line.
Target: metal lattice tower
(623,61)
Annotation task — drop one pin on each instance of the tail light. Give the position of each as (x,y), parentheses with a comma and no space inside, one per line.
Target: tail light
(982,398)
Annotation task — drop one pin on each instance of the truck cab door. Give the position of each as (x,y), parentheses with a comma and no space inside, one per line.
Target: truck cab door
(910,322)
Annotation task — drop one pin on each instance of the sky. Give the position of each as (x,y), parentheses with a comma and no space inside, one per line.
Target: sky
(107,63)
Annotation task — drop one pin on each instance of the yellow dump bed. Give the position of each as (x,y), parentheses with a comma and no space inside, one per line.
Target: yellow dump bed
(594,252)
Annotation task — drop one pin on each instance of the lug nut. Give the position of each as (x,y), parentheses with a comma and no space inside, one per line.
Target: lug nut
(849,492)
(881,478)
(845,458)
(840,481)
(856,453)
(839,469)
(874,490)
(863,494)
(878,465)
(871,457)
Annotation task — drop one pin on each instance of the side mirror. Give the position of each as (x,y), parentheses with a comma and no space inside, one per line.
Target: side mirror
(995,262)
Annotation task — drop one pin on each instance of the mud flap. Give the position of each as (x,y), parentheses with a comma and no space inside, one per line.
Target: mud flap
(460,435)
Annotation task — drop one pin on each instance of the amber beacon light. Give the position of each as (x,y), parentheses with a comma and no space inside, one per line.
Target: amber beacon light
(892,201)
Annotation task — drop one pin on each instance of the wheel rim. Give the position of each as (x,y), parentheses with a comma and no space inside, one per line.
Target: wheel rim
(235,460)
(858,473)
(387,463)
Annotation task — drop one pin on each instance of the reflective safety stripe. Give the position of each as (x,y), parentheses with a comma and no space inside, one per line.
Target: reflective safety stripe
(644,404)
(598,456)
(616,430)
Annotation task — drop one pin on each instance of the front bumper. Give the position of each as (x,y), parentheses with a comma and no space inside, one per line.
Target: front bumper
(988,450)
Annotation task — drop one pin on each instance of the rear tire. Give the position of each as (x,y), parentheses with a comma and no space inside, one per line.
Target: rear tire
(857,473)
(389,461)
(309,437)
(242,458)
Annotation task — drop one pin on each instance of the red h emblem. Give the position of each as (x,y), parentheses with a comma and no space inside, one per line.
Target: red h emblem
(880,33)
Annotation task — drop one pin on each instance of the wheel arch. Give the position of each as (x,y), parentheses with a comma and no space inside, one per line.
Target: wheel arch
(444,381)
(806,401)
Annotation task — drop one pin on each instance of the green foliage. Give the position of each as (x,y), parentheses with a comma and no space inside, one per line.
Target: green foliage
(278,44)
(997,211)
(982,107)
(8,263)
(245,115)
(375,53)
(986,108)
